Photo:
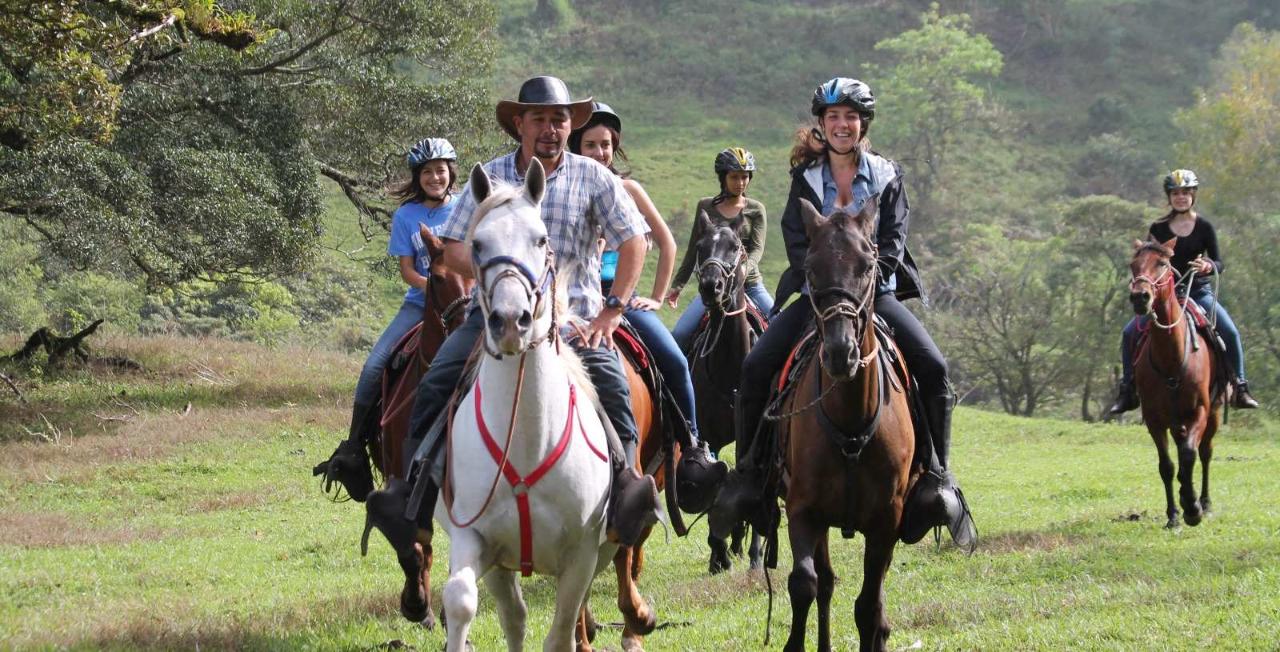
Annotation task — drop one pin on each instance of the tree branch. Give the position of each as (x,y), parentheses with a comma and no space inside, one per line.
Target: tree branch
(351,188)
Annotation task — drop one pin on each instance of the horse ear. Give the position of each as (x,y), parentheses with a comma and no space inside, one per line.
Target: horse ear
(704,221)
(480,186)
(429,239)
(813,220)
(535,181)
(866,218)
(1168,244)
(1137,244)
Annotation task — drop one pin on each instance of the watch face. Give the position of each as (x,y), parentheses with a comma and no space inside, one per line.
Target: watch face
(613,302)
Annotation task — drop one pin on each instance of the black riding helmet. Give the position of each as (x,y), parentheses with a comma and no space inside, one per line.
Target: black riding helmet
(602,113)
(1181,179)
(846,91)
(735,159)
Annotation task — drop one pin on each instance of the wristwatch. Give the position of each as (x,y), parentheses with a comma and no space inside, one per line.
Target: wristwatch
(615,302)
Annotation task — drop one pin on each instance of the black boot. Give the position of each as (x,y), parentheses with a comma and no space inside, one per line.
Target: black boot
(698,478)
(385,510)
(349,463)
(1241,398)
(741,497)
(936,500)
(633,503)
(1126,398)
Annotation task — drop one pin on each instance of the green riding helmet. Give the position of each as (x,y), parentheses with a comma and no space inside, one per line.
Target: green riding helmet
(735,159)
(1181,179)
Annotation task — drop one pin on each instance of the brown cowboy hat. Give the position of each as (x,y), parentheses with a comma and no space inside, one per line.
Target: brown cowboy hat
(543,91)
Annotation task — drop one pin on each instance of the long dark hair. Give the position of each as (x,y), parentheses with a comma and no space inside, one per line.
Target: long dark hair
(410,190)
(575,145)
(809,147)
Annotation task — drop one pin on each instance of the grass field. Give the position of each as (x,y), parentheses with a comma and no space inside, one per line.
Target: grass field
(129,521)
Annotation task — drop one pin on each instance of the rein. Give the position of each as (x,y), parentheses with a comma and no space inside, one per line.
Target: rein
(1157,283)
(724,302)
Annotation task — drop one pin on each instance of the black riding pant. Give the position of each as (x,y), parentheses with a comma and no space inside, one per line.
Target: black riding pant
(924,360)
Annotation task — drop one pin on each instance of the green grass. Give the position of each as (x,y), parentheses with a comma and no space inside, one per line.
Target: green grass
(172,531)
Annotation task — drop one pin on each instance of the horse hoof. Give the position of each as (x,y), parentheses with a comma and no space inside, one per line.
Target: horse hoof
(1172,524)
(643,627)
(632,645)
(1192,518)
(718,566)
(414,608)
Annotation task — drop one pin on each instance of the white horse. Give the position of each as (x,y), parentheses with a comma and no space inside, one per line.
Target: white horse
(529,475)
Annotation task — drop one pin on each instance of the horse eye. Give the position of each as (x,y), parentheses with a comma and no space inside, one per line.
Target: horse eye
(476,246)
(542,242)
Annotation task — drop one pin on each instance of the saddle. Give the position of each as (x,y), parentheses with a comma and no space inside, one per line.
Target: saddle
(1207,332)
(755,317)
(400,381)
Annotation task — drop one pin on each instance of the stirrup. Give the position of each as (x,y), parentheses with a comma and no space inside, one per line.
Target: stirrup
(1126,399)
(1241,399)
(634,505)
(936,501)
(698,479)
(349,467)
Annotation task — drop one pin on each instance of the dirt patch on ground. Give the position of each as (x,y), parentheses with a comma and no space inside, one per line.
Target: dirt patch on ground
(30,530)
(235,500)
(152,436)
(1008,542)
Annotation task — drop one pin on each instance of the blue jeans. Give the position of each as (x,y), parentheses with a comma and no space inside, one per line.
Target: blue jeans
(670,360)
(687,326)
(1226,328)
(370,383)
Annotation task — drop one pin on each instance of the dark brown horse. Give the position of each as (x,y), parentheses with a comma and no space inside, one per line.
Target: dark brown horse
(1178,379)
(848,442)
(716,355)
(447,294)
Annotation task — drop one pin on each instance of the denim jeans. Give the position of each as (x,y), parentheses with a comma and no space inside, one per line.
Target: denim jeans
(670,360)
(370,383)
(687,326)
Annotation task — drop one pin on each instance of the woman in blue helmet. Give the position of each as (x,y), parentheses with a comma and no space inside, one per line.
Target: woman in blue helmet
(833,168)
(1194,252)
(735,166)
(601,139)
(426,197)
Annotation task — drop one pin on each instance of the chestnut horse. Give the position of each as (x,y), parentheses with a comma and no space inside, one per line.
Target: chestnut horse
(717,352)
(847,441)
(447,296)
(1179,380)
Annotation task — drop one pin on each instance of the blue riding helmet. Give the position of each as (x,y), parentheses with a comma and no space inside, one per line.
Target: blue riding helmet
(846,91)
(431,149)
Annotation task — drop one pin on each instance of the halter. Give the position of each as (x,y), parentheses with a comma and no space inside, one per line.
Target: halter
(535,290)
(1165,278)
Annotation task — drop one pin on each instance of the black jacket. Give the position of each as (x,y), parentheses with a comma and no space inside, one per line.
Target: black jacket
(891,234)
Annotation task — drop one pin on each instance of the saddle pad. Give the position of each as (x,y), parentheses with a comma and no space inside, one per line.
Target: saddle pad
(799,353)
(629,341)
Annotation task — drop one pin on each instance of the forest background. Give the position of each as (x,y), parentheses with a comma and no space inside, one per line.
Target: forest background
(192,167)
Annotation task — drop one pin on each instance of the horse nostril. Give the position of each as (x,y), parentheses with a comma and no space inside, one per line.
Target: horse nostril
(495,323)
(525,320)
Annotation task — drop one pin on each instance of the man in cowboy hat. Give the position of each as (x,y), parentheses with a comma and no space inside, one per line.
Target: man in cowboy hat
(583,201)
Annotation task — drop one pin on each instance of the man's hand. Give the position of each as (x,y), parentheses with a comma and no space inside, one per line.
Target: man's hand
(600,330)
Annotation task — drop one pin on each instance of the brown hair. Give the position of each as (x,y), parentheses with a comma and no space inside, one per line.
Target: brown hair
(809,148)
(410,190)
(575,144)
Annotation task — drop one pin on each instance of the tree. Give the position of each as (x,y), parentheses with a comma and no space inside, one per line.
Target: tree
(181,139)
(931,90)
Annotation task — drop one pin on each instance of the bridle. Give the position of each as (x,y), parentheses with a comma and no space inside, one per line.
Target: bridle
(725,302)
(450,311)
(1162,279)
(536,289)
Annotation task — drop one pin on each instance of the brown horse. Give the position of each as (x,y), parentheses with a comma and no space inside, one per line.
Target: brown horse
(1179,380)
(447,295)
(848,442)
(638,618)
(716,354)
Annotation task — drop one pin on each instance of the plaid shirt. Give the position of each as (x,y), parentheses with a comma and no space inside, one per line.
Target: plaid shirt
(584,201)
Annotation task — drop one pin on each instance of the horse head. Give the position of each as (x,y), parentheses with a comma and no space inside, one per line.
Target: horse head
(446,288)
(1152,272)
(842,274)
(721,275)
(512,260)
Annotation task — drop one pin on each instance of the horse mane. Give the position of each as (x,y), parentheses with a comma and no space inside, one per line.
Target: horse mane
(501,194)
(1152,245)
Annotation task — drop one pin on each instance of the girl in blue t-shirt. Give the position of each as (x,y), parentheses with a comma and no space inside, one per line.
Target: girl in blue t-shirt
(426,198)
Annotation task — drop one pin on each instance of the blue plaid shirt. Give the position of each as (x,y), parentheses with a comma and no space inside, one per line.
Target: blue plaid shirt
(584,201)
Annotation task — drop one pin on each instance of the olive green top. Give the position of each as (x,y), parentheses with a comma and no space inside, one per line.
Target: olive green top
(751,231)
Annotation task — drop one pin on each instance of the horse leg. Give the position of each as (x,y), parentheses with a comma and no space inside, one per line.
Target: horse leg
(739,532)
(585,632)
(638,619)
(755,552)
(1187,444)
(826,588)
(802,585)
(424,580)
(720,561)
(868,609)
(1206,454)
(460,596)
(571,595)
(1161,438)
(512,610)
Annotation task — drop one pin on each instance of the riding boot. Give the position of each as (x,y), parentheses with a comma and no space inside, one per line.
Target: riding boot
(936,499)
(1126,398)
(633,503)
(698,478)
(1241,398)
(740,497)
(349,463)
